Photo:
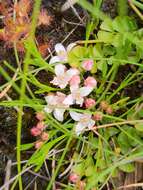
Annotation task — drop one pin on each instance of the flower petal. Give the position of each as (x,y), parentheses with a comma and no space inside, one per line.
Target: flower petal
(55,81)
(80,101)
(75,80)
(79,128)
(59,114)
(68,100)
(74,88)
(61,95)
(59,48)
(71,72)
(85,91)
(91,124)
(75,116)
(70,46)
(90,82)
(54,59)
(50,99)
(60,69)
(47,109)
(63,85)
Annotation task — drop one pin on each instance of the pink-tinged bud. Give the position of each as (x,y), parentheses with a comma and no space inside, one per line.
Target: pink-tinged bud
(35,131)
(90,82)
(109,110)
(75,80)
(44,136)
(73,178)
(40,125)
(98,116)
(89,102)
(87,65)
(40,116)
(104,105)
(38,144)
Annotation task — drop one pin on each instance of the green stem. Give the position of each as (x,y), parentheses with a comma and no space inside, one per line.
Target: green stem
(138,4)
(98,91)
(23,88)
(122,7)
(60,163)
(108,86)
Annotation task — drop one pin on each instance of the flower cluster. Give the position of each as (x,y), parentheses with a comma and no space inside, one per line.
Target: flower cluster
(77,90)
(39,131)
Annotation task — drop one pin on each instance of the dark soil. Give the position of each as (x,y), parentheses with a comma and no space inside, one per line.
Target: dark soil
(110,7)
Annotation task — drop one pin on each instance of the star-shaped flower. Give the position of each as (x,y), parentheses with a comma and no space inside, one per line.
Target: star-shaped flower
(55,104)
(63,76)
(83,121)
(62,53)
(77,95)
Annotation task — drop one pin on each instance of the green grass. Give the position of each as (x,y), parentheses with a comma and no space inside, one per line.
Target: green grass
(23,87)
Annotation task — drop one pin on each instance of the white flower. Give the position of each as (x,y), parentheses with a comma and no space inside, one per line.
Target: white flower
(55,104)
(63,76)
(77,95)
(83,121)
(62,53)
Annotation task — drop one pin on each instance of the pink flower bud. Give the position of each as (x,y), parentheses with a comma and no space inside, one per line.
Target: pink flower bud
(98,116)
(38,144)
(89,102)
(35,131)
(90,82)
(73,178)
(75,80)
(40,116)
(40,125)
(109,110)
(44,136)
(87,65)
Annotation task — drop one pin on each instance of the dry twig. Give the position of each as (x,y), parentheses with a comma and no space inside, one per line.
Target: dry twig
(7,175)
(131,185)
